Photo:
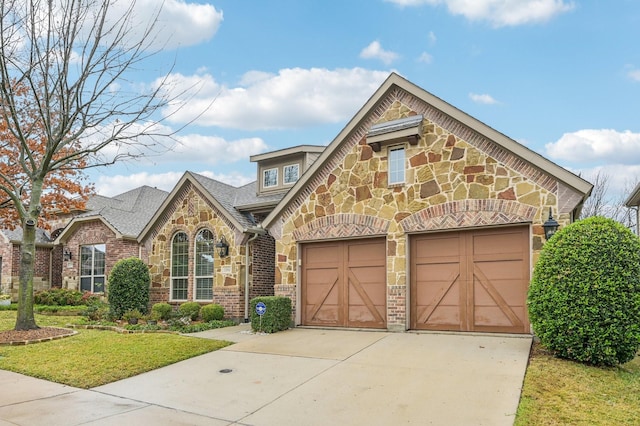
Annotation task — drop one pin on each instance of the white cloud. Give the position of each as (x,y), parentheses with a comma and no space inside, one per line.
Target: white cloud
(621,178)
(482,99)
(432,38)
(114,185)
(179,23)
(375,51)
(293,98)
(499,13)
(634,74)
(425,58)
(606,146)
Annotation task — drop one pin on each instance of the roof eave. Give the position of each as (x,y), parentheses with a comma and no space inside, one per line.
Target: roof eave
(634,199)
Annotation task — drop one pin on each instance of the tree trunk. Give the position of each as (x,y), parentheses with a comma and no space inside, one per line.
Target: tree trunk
(25,319)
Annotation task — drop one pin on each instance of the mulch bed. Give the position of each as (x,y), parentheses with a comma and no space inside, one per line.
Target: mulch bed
(24,337)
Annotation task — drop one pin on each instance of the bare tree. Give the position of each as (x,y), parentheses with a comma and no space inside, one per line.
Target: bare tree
(602,203)
(65,104)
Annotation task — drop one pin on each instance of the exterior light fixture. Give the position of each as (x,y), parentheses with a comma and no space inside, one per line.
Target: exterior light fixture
(550,226)
(66,255)
(223,247)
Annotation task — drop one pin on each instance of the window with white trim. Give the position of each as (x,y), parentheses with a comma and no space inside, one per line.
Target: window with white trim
(290,173)
(204,265)
(269,178)
(179,266)
(397,165)
(92,267)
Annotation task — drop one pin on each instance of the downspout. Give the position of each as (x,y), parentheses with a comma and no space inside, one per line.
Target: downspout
(257,231)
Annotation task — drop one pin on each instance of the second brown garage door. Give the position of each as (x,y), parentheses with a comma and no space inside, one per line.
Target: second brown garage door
(471,280)
(344,283)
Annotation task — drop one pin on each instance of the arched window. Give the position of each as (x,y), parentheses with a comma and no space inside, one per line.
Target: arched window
(179,266)
(204,265)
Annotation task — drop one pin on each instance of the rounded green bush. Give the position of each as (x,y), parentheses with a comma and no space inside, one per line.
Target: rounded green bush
(128,287)
(190,309)
(161,310)
(212,312)
(584,297)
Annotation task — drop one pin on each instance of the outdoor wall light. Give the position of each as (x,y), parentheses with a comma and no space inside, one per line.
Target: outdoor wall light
(550,226)
(223,247)
(66,255)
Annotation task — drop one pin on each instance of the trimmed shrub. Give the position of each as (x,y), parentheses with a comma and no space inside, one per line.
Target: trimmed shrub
(161,311)
(59,297)
(189,309)
(584,298)
(128,287)
(212,312)
(276,318)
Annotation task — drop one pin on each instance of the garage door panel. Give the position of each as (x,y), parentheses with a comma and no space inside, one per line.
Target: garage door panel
(358,296)
(490,292)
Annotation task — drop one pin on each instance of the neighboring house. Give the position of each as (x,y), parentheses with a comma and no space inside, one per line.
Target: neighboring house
(93,241)
(202,216)
(418,216)
(46,263)
(634,201)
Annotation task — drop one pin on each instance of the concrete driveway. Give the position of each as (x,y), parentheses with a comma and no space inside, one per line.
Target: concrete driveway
(298,377)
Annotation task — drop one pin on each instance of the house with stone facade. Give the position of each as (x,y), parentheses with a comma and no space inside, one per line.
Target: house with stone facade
(418,216)
(204,242)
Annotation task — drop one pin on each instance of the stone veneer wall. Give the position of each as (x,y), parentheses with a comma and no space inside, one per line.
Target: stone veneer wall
(96,232)
(451,183)
(190,213)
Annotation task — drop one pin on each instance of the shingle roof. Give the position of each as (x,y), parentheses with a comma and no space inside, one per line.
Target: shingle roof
(232,198)
(128,212)
(42,236)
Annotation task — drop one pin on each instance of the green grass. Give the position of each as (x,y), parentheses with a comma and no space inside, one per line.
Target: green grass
(561,392)
(94,357)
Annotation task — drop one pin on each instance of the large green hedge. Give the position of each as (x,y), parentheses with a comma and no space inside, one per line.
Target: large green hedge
(584,298)
(128,287)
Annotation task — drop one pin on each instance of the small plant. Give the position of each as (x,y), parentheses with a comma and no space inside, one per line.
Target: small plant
(132,316)
(190,309)
(5,296)
(59,297)
(212,312)
(162,311)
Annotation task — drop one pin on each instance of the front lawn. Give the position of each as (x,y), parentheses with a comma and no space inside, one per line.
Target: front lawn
(95,357)
(560,392)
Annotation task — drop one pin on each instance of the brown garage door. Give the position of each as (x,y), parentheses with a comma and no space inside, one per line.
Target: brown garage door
(344,283)
(471,280)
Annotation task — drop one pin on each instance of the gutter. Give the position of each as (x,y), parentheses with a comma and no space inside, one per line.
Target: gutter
(256,231)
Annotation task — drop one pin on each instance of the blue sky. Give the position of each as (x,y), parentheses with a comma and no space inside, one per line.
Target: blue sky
(560,76)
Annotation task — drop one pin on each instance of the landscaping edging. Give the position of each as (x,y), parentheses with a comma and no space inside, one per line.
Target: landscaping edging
(41,339)
(118,329)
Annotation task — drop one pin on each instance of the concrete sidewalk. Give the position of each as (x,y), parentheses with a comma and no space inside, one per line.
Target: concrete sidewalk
(300,376)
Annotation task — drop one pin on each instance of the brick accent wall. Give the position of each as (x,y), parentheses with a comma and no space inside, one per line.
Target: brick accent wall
(262,268)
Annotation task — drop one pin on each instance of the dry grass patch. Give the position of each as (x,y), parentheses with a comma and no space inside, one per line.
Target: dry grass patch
(93,357)
(561,392)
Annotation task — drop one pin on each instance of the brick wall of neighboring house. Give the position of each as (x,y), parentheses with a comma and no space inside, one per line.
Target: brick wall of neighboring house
(190,212)
(41,273)
(6,260)
(90,233)
(56,266)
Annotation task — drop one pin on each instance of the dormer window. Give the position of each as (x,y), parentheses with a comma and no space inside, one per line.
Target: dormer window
(291,173)
(270,178)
